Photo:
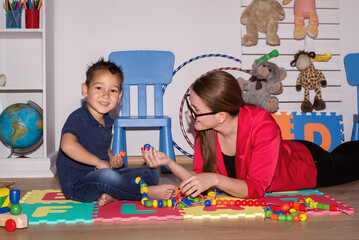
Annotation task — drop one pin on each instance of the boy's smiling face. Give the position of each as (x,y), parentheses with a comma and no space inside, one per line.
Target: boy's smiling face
(103,93)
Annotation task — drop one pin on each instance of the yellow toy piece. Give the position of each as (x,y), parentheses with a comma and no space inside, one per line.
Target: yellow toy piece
(322,57)
(4,199)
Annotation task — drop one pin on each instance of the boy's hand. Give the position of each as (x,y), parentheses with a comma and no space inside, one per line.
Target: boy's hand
(116,161)
(102,164)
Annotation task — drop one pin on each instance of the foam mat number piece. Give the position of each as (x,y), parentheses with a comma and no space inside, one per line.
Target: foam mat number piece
(284,121)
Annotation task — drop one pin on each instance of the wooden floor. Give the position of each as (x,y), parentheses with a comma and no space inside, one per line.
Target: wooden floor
(316,227)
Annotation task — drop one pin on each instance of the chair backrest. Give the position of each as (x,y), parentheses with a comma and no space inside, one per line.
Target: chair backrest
(351,62)
(143,68)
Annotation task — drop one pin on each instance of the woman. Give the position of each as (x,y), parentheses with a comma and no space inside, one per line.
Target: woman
(239,148)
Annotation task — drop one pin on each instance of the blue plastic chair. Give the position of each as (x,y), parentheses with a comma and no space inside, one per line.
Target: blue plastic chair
(351,62)
(143,68)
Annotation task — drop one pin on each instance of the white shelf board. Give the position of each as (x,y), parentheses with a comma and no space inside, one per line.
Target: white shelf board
(14,30)
(21,88)
(28,167)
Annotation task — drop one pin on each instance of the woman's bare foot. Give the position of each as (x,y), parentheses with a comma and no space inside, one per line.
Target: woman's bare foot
(164,191)
(105,199)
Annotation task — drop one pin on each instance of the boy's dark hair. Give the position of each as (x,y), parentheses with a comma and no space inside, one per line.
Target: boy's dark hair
(101,64)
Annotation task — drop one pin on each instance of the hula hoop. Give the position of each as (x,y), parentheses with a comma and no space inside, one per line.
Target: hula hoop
(188,90)
(184,64)
(199,57)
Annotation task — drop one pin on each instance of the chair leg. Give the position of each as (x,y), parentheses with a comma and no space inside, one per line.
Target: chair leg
(355,132)
(119,142)
(122,144)
(166,145)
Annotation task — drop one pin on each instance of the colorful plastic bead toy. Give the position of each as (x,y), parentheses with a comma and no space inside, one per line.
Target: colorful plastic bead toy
(293,211)
(147,146)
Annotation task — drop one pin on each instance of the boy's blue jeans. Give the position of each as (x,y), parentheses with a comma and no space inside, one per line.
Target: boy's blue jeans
(114,182)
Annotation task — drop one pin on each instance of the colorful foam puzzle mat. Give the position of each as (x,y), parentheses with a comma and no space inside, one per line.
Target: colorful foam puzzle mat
(324,129)
(51,207)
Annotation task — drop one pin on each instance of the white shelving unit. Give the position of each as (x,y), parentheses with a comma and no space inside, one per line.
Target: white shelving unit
(23,61)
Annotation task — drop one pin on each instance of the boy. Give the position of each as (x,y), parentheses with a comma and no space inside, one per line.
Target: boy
(87,169)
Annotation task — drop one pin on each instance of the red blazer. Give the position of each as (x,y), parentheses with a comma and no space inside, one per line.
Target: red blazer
(263,159)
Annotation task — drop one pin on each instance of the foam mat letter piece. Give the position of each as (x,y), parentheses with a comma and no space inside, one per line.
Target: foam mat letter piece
(322,129)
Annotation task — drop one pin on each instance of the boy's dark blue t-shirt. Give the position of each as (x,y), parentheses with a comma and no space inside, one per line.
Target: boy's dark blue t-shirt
(92,136)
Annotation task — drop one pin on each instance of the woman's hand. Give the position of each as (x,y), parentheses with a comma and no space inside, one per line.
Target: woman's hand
(155,158)
(116,161)
(196,184)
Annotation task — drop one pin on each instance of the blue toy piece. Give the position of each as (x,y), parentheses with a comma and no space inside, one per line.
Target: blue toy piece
(147,146)
(14,196)
(322,129)
(141,69)
(351,62)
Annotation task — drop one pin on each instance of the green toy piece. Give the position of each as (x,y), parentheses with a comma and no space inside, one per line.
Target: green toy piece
(16,209)
(268,56)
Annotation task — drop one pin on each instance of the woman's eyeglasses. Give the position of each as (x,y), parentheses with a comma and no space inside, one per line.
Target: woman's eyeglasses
(195,115)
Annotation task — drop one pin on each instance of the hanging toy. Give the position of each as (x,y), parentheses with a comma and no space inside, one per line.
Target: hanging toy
(310,79)
(322,57)
(262,16)
(2,80)
(268,56)
(304,9)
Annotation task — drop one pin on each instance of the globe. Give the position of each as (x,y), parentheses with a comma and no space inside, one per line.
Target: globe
(21,128)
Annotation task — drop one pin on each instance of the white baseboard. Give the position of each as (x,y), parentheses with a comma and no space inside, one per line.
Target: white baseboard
(28,167)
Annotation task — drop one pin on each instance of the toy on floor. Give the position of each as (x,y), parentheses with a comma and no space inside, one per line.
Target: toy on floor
(292,211)
(262,85)
(13,219)
(150,202)
(304,9)
(262,16)
(7,183)
(310,79)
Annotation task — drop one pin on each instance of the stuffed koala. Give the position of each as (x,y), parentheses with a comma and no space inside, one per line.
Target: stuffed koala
(265,81)
(262,16)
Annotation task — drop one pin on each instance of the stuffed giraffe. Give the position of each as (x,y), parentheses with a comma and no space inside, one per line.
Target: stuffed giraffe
(310,79)
(304,9)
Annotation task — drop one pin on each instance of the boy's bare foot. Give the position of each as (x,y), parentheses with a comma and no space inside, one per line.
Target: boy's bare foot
(105,199)
(164,191)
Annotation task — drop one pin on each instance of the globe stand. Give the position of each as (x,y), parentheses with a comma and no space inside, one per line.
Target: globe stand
(12,152)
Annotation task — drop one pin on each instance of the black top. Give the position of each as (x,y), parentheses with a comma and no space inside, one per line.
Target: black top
(230,166)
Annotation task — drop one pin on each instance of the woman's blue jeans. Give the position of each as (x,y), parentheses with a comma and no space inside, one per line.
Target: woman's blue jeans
(115,182)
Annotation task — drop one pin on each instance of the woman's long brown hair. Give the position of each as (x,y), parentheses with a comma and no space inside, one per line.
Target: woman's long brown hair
(221,92)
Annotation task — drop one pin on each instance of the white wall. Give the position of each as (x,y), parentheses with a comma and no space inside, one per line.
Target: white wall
(85,30)
(349,44)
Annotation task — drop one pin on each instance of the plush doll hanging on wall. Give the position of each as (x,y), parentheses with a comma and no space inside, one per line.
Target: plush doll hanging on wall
(265,81)
(304,9)
(310,79)
(2,80)
(262,16)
